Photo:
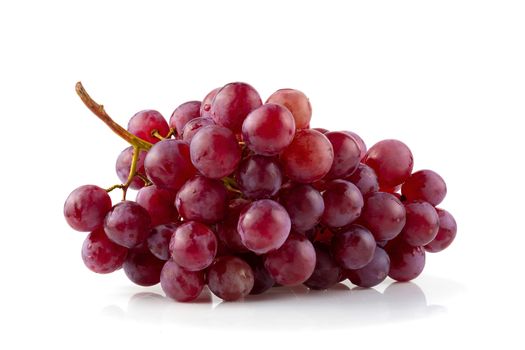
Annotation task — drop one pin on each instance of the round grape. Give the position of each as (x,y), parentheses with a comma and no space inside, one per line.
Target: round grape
(384,215)
(159,203)
(193,246)
(159,240)
(293,263)
(296,102)
(354,247)
(327,272)
(372,273)
(227,229)
(142,267)
(101,255)
(86,207)
(215,151)
(347,154)
(422,223)
(180,284)
(183,114)
(259,177)
(425,185)
(193,126)
(343,203)
(365,179)
(406,261)
(305,206)
(446,234)
(391,160)
(205,111)
(123,165)
(168,164)
(309,157)
(230,278)
(268,129)
(263,226)
(127,224)
(144,123)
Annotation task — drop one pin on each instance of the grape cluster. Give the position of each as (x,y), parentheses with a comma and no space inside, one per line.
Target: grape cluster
(241,196)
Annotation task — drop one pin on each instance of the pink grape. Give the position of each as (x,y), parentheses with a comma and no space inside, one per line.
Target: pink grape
(86,207)
(179,283)
(101,255)
(230,278)
(127,224)
(193,246)
(296,102)
(183,114)
(446,234)
(425,185)
(123,165)
(160,204)
(143,123)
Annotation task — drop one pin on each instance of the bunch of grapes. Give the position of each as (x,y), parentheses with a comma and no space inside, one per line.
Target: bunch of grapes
(242,196)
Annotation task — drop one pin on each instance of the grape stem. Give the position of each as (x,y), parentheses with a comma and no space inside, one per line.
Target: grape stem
(100,112)
(137,143)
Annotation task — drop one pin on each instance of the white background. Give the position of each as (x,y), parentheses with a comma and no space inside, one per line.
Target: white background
(446,77)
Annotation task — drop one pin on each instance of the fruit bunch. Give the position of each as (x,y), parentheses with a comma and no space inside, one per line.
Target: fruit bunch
(243,196)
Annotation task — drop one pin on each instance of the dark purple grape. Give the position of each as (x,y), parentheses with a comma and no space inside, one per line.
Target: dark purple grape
(123,165)
(342,203)
(259,177)
(425,185)
(372,273)
(347,155)
(230,278)
(193,246)
(308,158)
(446,234)
(384,215)
(392,162)
(168,164)
(365,179)
(215,151)
(206,103)
(86,207)
(233,103)
(406,261)
(183,114)
(159,240)
(354,247)
(100,255)
(305,206)
(181,284)
(422,224)
(268,129)
(159,203)
(293,263)
(227,229)
(142,267)
(144,123)
(263,226)
(202,199)
(193,126)
(296,102)
(127,224)
(327,272)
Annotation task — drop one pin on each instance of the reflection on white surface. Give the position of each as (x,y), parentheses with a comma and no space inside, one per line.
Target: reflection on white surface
(293,308)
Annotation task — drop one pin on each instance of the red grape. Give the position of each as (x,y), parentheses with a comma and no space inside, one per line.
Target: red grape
(406,261)
(391,160)
(293,263)
(365,179)
(305,206)
(230,278)
(347,154)
(159,240)
(159,203)
(144,123)
(259,177)
(193,246)
(214,151)
(123,166)
(372,273)
(142,267)
(296,102)
(127,224)
(181,284)
(384,215)
(268,129)
(342,203)
(263,226)
(309,157)
(321,130)
(233,103)
(422,223)
(193,126)
(425,185)
(168,164)
(206,103)
(354,247)
(202,199)
(86,207)
(446,234)
(101,255)
(327,272)
(183,114)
